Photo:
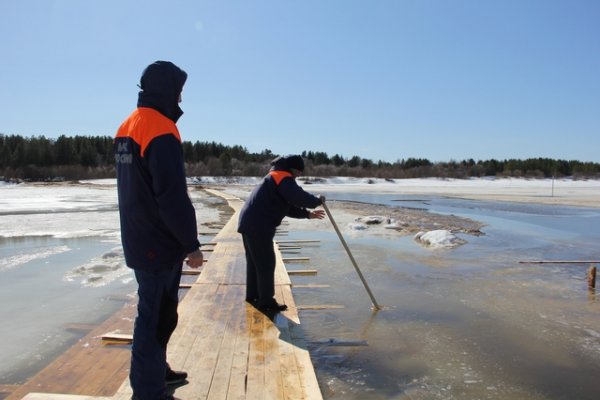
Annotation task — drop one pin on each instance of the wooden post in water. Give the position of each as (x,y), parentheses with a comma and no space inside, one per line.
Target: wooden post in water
(591,273)
(592,277)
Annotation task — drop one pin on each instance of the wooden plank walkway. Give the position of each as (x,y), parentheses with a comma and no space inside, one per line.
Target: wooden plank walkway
(229,349)
(88,367)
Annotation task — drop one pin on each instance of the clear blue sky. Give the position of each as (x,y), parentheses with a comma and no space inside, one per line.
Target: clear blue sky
(437,79)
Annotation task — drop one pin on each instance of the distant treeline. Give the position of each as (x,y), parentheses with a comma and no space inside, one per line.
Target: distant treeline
(39,158)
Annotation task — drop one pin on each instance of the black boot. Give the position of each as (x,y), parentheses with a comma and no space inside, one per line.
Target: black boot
(174,377)
(272,306)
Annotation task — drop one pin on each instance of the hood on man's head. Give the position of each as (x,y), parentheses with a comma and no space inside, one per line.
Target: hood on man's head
(279,162)
(288,162)
(161,84)
(295,162)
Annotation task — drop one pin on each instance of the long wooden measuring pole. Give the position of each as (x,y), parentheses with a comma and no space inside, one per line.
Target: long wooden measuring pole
(360,275)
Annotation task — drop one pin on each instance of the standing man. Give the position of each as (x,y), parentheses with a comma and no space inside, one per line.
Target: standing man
(276,197)
(158,223)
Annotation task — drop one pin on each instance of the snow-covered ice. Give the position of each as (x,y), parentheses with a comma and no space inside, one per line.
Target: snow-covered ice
(439,238)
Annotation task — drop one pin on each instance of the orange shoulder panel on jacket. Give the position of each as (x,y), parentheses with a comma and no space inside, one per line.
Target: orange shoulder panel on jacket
(279,175)
(145,124)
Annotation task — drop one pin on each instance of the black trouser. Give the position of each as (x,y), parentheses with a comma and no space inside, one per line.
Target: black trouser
(154,324)
(260,268)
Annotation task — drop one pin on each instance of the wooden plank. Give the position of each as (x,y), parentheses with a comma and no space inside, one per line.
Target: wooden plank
(117,338)
(273,374)
(299,241)
(340,342)
(320,307)
(308,379)
(54,396)
(310,286)
(80,327)
(281,275)
(102,371)
(256,357)
(292,387)
(203,355)
(88,367)
(295,259)
(239,362)
(190,272)
(558,262)
(191,330)
(302,272)
(283,294)
(219,385)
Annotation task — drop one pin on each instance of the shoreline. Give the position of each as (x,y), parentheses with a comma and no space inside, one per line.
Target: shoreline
(544,191)
(558,192)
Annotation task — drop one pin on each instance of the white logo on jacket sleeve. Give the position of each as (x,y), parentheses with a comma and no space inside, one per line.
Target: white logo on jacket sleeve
(123,155)
(124,158)
(122,147)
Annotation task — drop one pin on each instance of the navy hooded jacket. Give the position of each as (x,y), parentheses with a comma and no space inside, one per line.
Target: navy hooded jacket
(276,197)
(158,220)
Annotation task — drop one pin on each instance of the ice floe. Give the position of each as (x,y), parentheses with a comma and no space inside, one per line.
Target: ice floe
(439,238)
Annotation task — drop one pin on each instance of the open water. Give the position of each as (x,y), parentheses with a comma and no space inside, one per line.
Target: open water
(464,323)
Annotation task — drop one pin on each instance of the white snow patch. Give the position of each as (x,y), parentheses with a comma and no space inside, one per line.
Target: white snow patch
(372,219)
(440,238)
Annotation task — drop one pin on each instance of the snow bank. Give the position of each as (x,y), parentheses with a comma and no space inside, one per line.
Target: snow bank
(440,238)
(373,219)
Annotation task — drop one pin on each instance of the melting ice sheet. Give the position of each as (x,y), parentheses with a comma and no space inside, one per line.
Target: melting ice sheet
(61,263)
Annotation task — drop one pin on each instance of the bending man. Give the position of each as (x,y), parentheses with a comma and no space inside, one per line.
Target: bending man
(276,197)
